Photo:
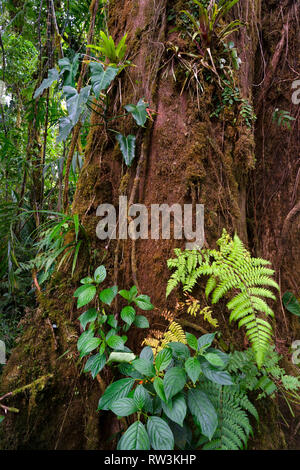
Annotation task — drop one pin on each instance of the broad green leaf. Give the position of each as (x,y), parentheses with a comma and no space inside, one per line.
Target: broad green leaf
(141,322)
(87,345)
(100,78)
(159,388)
(220,377)
(141,397)
(179,350)
(135,438)
(121,357)
(127,146)
(128,314)
(85,294)
(115,391)
(53,76)
(160,434)
(147,353)
(100,274)
(1,419)
(174,381)
(76,105)
(87,317)
(205,340)
(95,364)
(112,321)
(178,411)
(144,367)
(163,359)
(192,341)
(203,411)
(143,302)
(291,303)
(139,111)
(115,342)
(124,407)
(69,69)
(193,368)
(214,359)
(108,295)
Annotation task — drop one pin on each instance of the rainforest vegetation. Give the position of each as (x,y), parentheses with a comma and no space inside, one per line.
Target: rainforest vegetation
(115,335)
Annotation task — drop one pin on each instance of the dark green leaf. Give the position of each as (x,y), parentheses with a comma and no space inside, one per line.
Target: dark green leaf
(144,367)
(141,322)
(192,341)
(163,359)
(291,303)
(193,368)
(139,111)
(128,314)
(160,434)
(135,438)
(178,411)
(206,340)
(124,407)
(100,78)
(108,295)
(220,377)
(53,76)
(179,350)
(203,411)
(143,302)
(214,359)
(174,381)
(142,398)
(147,353)
(115,342)
(89,316)
(159,388)
(127,146)
(85,294)
(115,391)
(95,364)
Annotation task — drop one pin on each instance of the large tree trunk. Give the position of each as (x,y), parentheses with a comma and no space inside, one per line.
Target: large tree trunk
(246,179)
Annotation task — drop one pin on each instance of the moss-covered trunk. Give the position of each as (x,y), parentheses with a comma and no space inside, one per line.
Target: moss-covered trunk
(245,177)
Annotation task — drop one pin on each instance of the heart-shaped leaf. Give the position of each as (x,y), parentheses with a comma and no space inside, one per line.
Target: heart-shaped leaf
(127,146)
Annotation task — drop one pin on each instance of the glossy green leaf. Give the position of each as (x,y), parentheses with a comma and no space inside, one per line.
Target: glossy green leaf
(192,341)
(128,314)
(100,274)
(193,368)
(144,367)
(115,391)
(85,294)
(115,342)
(108,295)
(203,411)
(178,411)
(95,364)
(206,340)
(174,381)
(139,111)
(291,303)
(127,146)
(214,359)
(220,377)
(101,78)
(159,388)
(89,316)
(135,438)
(141,322)
(124,407)
(163,359)
(143,302)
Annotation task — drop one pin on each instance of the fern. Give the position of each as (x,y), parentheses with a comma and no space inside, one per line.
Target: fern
(232,407)
(231,268)
(158,340)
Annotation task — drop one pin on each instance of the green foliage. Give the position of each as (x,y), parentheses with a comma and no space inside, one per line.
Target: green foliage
(283,118)
(206,25)
(291,303)
(127,146)
(109,50)
(231,268)
(191,390)
(105,331)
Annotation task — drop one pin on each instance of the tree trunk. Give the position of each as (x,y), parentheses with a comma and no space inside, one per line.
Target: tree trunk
(247,180)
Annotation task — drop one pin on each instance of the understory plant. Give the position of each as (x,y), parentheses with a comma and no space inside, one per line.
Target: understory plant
(231,269)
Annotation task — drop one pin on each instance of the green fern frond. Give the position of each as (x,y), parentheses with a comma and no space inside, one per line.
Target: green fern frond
(231,268)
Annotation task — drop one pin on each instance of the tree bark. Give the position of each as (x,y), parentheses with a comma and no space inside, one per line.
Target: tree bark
(243,177)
